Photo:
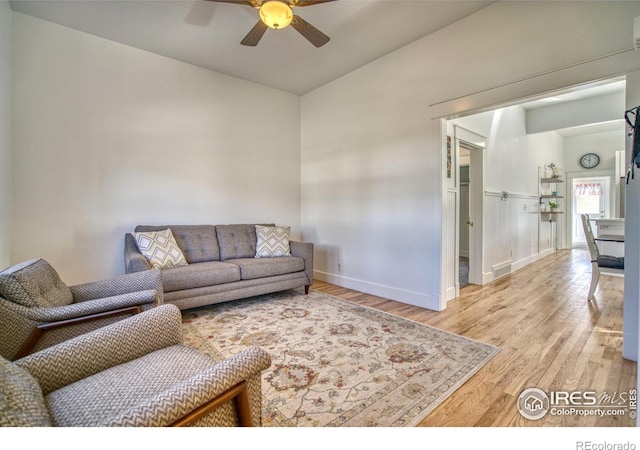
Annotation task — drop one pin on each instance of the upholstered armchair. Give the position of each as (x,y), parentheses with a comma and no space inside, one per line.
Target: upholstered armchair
(135,372)
(38,310)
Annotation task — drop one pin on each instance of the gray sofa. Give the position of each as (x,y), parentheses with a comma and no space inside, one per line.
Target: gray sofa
(221,265)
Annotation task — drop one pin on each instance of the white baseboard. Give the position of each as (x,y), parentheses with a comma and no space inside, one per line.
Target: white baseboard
(531,259)
(487,277)
(401,295)
(450,293)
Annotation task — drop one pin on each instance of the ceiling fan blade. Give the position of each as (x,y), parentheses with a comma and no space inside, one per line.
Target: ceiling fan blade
(253,37)
(301,3)
(311,33)
(253,3)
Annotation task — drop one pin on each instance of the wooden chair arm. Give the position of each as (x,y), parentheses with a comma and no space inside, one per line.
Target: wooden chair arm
(39,330)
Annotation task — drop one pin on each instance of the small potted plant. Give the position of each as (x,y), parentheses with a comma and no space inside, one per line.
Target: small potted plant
(555,171)
(553,206)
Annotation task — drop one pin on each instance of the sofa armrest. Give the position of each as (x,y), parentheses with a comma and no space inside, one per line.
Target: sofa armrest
(304,250)
(123,284)
(134,261)
(98,350)
(180,400)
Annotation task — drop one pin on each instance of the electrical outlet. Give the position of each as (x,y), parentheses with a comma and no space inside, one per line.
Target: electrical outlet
(339,266)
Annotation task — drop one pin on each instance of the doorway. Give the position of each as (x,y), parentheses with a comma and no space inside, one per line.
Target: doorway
(464,218)
(468,182)
(589,195)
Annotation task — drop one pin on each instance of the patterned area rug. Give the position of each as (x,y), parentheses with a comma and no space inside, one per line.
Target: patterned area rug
(336,363)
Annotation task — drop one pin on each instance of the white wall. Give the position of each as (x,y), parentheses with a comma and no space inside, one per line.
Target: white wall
(106,137)
(604,144)
(513,231)
(5,134)
(372,164)
(632,239)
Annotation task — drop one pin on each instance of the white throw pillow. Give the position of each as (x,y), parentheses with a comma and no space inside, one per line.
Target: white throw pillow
(272,241)
(160,248)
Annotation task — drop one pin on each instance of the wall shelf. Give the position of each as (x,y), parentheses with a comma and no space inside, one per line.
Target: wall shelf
(549,193)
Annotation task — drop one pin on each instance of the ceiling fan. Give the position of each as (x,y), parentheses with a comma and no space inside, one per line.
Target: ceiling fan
(278,14)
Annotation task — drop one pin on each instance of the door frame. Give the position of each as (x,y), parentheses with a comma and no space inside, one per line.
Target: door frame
(571,176)
(476,144)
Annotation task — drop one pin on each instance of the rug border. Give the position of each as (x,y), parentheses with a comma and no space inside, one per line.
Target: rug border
(404,318)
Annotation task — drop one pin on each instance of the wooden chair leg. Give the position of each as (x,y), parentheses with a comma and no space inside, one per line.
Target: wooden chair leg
(240,396)
(28,345)
(595,276)
(244,407)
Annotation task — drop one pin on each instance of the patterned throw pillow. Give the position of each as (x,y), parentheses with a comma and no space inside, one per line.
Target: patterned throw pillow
(272,241)
(160,248)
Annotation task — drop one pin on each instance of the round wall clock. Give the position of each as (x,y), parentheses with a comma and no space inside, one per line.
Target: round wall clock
(589,160)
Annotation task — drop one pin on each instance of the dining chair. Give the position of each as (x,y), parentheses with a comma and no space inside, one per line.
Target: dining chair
(606,264)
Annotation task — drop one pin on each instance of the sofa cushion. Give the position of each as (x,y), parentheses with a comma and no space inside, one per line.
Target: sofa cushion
(34,283)
(251,268)
(611,262)
(237,241)
(108,395)
(272,241)
(160,248)
(21,401)
(199,275)
(199,243)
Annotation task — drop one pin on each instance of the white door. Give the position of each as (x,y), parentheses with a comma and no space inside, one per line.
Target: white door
(589,196)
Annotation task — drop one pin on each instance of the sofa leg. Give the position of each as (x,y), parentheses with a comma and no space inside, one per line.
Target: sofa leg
(306,289)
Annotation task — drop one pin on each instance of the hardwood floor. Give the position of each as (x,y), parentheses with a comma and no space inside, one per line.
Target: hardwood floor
(550,337)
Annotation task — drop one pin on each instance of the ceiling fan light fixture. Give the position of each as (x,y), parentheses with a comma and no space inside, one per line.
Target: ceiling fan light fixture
(276,14)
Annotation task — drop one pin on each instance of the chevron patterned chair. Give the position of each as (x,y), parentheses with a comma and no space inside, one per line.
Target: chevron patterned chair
(38,310)
(135,372)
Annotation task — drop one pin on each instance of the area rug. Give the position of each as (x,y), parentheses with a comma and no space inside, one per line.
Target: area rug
(336,363)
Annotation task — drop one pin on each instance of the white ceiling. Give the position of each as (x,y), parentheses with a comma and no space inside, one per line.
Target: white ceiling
(582,92)
(579,93)
(208,34)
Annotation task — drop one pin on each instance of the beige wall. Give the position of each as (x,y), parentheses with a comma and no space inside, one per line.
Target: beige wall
(107,137)
(5,134)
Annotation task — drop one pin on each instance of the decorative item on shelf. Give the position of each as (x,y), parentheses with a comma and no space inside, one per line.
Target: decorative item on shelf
(554,193)
(555,171)
(553,206)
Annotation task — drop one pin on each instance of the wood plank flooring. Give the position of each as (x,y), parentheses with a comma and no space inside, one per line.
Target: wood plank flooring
(550,338)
